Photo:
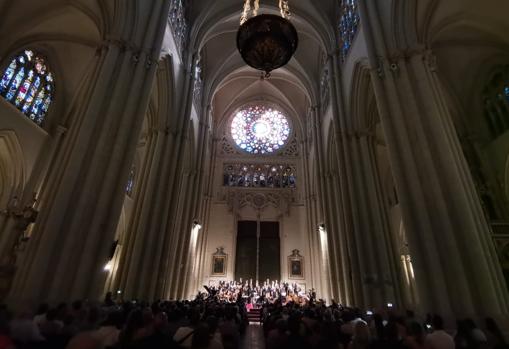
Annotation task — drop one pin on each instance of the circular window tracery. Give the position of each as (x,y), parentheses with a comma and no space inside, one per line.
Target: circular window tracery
(260,130)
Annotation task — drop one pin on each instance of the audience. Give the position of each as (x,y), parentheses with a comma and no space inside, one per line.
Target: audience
(209,322)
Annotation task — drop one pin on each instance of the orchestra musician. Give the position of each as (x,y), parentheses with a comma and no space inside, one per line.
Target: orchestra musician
(259,294)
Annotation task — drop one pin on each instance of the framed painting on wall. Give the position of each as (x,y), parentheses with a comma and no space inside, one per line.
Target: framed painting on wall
(219,262)
(295,265)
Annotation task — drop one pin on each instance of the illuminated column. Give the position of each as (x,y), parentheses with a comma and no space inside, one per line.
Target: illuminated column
(324,265)
(193,265)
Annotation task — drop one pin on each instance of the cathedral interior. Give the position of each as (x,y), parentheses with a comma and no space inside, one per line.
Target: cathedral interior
(141,155)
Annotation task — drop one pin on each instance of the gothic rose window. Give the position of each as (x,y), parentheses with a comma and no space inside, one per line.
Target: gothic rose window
(28,85)
(260,130)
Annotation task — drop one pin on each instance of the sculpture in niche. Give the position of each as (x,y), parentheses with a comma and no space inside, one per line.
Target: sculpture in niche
(219,263)
(295,265)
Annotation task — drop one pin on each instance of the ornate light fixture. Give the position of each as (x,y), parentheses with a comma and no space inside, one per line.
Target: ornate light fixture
(266,42)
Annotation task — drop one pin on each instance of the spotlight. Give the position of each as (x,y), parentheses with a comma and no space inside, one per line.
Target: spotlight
(108,266)
(196,225)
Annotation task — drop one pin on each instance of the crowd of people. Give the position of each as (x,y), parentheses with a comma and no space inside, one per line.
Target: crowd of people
(316,325)
(201,323)
(211,322)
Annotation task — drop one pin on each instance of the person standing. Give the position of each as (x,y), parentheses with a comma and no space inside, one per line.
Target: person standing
(439,339)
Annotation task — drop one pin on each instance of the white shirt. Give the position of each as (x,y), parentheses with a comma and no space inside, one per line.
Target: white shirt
(440,340)
(181,333)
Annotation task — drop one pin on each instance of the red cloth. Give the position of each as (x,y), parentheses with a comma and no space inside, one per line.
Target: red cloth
(5,342)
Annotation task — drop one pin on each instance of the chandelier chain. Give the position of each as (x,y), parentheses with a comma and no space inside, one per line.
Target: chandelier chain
(284,7)
(256,8)
(245,13)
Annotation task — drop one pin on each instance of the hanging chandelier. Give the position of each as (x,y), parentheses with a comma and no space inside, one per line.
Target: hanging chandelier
(266,42)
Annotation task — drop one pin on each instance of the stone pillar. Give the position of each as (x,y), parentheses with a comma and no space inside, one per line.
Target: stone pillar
(82,199)
(353,252)
(144,269)
(382,280)
(320,270)
(324,203)
(194,211)
(456,267)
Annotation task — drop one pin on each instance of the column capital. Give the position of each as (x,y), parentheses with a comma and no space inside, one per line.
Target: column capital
(60,130)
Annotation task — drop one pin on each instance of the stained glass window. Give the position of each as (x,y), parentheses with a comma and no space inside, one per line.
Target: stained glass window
(348,25)
(178,23)
(28,84)
(260,175)
(260,130)
(130,181)
(496,103)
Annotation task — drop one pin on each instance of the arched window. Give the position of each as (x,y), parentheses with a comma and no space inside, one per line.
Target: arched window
(260,130)
(178,22)
(348,25)
(130,181)
(496,103)
(27,84)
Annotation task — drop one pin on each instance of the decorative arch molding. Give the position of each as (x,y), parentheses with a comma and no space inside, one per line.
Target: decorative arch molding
(12,167)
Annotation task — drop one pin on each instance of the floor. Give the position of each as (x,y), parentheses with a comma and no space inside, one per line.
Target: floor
(253,339)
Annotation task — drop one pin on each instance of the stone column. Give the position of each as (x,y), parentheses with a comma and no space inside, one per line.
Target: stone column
(82,200)
(144,269)
(324,203)
(353,252)
(455,262)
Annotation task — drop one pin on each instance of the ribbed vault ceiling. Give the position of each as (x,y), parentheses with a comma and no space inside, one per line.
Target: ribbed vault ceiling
(229,82)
